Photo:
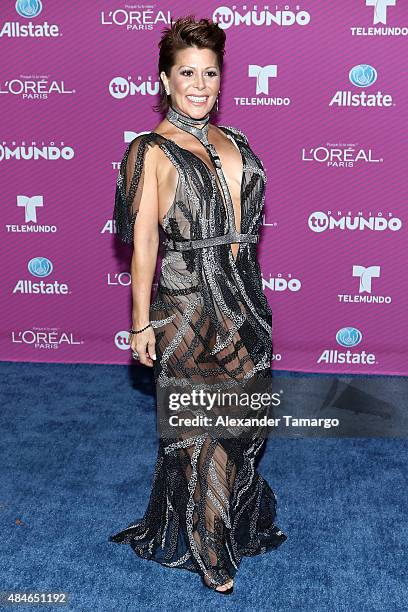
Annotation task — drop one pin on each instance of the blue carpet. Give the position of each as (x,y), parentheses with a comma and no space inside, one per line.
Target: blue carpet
(77,458)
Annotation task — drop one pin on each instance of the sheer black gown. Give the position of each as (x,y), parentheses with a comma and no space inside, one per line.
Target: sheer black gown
(213,326)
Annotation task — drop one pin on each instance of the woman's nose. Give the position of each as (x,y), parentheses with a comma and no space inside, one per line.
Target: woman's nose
(199,82)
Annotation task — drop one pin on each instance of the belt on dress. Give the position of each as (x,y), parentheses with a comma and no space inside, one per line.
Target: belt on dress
(200,243)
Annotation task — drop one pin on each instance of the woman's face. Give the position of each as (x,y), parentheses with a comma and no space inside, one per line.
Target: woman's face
(194,81)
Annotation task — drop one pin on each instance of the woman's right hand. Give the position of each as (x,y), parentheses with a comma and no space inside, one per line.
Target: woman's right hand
(145,345)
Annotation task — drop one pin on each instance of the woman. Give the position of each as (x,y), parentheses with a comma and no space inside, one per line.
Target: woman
(210,325)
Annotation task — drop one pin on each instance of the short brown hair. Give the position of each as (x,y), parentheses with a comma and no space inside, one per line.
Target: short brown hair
(183,33)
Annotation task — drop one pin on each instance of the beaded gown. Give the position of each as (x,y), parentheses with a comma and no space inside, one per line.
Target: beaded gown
(208,505)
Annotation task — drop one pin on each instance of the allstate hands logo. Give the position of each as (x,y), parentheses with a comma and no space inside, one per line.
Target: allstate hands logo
(29,8)
(363,75)
(349,336)
(40,266)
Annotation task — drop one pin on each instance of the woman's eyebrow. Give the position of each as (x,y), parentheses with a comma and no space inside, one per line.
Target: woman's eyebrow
(186,66)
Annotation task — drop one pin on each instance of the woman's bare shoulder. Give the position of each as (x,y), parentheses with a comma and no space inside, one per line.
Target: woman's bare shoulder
(146,144)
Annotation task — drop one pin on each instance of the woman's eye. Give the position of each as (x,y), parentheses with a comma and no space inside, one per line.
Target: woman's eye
(211,73)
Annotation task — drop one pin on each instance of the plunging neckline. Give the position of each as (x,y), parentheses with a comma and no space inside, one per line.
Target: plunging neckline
(219,189)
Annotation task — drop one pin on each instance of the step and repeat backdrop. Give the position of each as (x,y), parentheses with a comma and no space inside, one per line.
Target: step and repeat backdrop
(321,91)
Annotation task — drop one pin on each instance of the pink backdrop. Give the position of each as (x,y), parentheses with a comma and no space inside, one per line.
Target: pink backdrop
(78,81)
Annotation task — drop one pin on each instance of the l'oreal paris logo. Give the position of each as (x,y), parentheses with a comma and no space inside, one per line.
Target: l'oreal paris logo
(339,155)
(144,17)
(34,88)
(44,338)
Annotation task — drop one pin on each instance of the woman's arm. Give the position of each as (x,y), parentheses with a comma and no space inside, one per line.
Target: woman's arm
(136,216)
(145,242)
(144,258)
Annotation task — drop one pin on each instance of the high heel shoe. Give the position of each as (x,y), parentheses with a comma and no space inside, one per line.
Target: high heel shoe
(228,591)
(214,588)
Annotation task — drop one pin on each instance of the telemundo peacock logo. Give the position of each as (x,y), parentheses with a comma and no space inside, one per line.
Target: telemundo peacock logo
(40,267)
(362,76)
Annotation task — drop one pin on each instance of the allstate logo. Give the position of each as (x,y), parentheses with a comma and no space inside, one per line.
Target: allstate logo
(29,8)
(349,336)
(39,266)
(363,75)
